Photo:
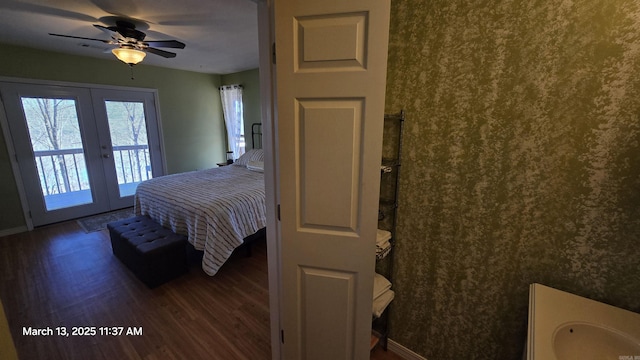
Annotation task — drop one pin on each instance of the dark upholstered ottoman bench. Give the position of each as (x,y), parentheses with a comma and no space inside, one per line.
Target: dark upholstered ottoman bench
(153,253)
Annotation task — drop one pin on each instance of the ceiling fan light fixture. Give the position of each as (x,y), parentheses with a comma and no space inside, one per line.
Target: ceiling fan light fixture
(129,56)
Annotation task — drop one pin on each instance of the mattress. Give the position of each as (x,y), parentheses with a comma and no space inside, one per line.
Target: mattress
(215,208)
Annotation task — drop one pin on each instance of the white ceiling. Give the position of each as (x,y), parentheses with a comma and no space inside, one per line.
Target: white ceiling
(221,36)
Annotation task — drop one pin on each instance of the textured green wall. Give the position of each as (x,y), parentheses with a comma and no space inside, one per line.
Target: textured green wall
(522,164)
(190,109)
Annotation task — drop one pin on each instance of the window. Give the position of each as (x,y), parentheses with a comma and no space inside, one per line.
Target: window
(231,96)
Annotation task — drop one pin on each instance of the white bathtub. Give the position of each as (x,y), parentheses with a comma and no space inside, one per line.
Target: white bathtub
(566,326)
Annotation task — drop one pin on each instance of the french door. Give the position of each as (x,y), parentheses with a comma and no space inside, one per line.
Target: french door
(81,151)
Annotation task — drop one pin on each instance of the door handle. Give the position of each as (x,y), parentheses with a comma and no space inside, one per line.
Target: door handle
(106,156)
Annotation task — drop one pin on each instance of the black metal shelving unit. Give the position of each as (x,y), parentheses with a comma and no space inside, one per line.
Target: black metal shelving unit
(388,210)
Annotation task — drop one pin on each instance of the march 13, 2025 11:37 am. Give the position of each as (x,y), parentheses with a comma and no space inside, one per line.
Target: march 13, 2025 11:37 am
(83,331)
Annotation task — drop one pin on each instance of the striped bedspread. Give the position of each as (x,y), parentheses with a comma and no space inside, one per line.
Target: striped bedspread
(216,208)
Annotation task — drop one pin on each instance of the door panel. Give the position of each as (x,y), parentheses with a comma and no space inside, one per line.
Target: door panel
(129,141)
(346,50)
(49,175)
(331,72)
(316,306)
(59,155)
(329,176)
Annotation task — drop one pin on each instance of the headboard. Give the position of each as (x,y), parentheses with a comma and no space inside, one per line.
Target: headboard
(256,136)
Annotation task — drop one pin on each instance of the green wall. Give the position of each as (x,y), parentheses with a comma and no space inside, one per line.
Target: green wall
(190,109)
(250,81)
(521,164)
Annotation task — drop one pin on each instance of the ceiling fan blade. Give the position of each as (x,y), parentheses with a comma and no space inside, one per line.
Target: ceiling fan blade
(83,38)
(109,30)
(166,43)
(162,53)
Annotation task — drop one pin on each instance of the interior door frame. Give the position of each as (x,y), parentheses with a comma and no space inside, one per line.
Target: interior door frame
(266,46)
(4,124)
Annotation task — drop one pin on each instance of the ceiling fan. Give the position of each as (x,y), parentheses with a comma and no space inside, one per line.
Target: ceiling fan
(131,47)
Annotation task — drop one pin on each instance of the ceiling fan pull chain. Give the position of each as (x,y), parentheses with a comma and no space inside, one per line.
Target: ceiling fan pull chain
(131,68)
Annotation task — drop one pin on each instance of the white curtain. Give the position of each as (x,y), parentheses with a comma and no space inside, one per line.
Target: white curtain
(231,96)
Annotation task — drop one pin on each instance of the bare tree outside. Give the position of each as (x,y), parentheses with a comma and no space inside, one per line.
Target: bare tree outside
(136,123)
(56,140)
(55,133)
(129,135)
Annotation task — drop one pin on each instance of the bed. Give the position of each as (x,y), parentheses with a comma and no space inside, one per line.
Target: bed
(217,209)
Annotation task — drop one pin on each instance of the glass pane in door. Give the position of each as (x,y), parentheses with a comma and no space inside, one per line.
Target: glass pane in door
(58,151)
(128,130)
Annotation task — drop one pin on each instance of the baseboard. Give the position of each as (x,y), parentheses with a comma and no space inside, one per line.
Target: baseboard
(17,230)
(402,351)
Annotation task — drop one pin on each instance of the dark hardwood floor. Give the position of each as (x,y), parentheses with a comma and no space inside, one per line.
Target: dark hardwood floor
(59,276)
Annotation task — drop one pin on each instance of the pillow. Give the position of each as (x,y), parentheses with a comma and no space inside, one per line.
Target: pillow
(251,155)
(256,166)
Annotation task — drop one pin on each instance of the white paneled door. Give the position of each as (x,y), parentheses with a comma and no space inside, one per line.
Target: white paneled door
(331,61)
(80,151)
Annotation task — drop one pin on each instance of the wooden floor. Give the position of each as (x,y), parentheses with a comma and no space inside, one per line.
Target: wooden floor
(61,277)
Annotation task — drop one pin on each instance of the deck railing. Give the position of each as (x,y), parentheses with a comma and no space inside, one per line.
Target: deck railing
(63,171)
